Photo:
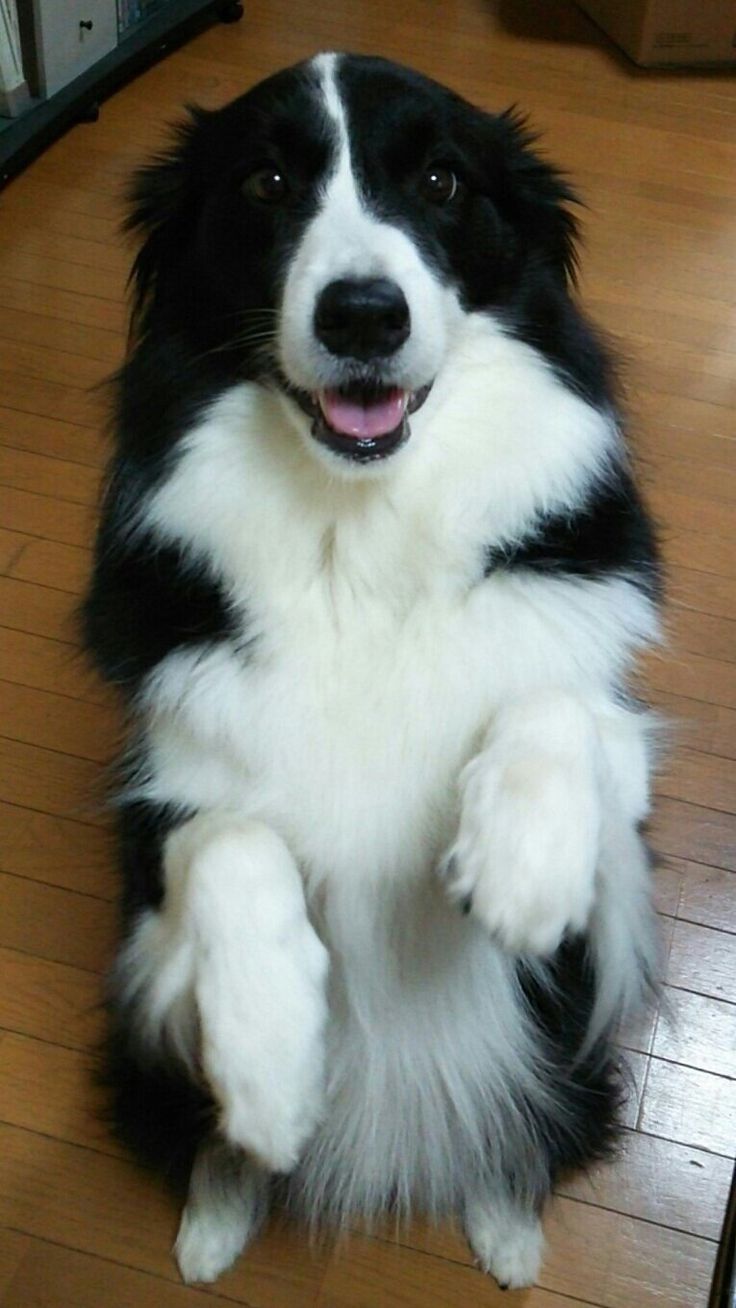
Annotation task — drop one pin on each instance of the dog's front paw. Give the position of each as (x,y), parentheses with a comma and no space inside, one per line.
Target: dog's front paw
(263,1052)
(524,859)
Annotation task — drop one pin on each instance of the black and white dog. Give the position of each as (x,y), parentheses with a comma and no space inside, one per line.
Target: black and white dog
(371,574)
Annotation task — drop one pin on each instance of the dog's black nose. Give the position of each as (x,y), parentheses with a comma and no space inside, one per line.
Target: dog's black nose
(366,319)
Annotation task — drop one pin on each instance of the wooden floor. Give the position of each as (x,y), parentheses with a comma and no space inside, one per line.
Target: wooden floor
(655,156)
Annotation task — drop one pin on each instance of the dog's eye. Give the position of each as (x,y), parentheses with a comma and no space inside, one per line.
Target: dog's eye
(266,185)
(439,184)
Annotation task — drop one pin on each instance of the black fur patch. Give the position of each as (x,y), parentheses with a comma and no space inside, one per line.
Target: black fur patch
(560,995)
(610,533)
(152,1105)
(145,601)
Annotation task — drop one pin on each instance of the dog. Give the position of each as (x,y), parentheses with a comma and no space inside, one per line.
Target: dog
(371,575)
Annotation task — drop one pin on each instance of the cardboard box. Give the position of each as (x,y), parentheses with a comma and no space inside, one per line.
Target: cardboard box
(658,33)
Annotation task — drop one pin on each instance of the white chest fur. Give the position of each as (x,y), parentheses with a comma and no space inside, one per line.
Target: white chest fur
(374,653)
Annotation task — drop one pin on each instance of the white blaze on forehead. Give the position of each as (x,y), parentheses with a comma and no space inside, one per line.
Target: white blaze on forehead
(345,240)
(325,65)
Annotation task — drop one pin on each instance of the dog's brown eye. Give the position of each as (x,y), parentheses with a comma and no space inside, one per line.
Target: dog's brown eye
(439,184)
(267,185)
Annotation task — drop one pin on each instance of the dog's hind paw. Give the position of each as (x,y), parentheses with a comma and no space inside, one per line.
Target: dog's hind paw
(226,1205)
(508,1244)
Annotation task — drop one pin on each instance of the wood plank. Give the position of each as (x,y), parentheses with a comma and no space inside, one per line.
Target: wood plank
(38,610)
(47,1088)
(697,893)
(661,412)
(634,1070)
(69,247)
(13,1248)
(703,960)
(697,1030)
(52,365)
(689,832)
(703,551)
(49,782)
(696,477)
(49,1276)
(50,1001)
(75,405)
(49,563)
(689,1106)
(700,633)
(704,592)
(618,1261)
(708,897)
(678,512)
(634,321)
(636,1032)
(701,778)
(62,926)
(11,546)
(679,374)
(57,851)
(710,728)
(51,519)
(55,215)
(42,270)
(80,312)
(691,676)
(27,471)
(68,197)
(667,885)
(681,444)
(104,171)
(70,726)
(43,331)
(670,1184)
(50,665)
(43,434)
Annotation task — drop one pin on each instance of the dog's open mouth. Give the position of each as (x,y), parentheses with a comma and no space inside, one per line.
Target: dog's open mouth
(365,421)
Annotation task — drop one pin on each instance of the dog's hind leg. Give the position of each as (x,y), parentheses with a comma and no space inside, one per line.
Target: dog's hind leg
(506,1238)
(227,1202)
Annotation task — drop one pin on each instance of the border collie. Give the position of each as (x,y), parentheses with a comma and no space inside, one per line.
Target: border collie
(371,575)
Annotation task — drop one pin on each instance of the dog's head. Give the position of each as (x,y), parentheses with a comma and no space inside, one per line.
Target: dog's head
(328,232)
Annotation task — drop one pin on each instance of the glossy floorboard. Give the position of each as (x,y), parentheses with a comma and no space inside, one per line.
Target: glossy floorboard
(655,157)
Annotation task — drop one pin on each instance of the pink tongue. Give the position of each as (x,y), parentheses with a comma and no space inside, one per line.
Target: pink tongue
(363,421)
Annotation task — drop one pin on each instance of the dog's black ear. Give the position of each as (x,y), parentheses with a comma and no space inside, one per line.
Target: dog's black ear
(160,200)
(536,195)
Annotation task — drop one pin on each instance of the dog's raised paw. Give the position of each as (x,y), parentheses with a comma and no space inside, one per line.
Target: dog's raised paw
(524,860)
(265,1062)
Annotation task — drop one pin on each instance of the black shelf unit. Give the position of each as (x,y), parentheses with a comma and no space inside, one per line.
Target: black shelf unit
(25,137)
